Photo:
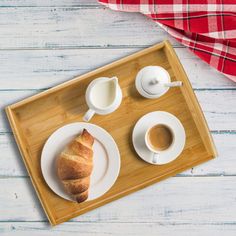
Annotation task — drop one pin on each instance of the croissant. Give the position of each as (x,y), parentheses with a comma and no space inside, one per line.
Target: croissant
(75,165)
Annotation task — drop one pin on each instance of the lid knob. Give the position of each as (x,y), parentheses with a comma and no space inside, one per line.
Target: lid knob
(151,80)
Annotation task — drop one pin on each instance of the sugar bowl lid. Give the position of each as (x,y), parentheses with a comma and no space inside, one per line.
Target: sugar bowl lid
(150,81)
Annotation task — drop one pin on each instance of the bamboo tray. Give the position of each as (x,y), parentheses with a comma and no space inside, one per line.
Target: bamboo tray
(34,119)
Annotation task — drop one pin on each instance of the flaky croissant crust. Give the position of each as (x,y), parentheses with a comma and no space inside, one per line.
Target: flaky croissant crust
(75,165)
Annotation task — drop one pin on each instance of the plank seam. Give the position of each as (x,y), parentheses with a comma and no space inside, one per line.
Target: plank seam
(126,222)
(109,46)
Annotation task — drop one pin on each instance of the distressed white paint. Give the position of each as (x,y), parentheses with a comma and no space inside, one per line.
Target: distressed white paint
(66,27)
(11,164)
(219,108)
(87,36)
(45,68)
(116,229)
(48,3)
(191,200)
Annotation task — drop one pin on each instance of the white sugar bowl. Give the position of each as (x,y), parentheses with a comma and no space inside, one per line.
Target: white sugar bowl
(154,81)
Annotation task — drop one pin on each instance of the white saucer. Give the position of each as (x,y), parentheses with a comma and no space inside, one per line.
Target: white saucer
(106,159)
(149,120)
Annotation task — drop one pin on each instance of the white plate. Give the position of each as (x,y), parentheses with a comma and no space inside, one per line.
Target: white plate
(149,120)
(106,159)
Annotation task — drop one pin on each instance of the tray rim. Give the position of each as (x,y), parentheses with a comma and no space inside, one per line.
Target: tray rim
(178,68)
(194,101)
(86,75)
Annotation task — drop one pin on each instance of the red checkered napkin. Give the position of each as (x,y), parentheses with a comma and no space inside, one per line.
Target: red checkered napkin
(206,27)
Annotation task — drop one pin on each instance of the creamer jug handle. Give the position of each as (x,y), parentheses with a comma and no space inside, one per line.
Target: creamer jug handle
(88,115)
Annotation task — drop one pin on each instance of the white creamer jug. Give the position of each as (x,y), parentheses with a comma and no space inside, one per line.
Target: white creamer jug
(103,96)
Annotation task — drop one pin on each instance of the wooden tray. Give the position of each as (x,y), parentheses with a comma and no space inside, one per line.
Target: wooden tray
(34,119)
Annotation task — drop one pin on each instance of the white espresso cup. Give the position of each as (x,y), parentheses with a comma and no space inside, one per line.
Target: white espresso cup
(158,139)
(103,96)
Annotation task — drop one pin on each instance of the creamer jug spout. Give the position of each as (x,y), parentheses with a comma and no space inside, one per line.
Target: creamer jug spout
(103,96)
(115,81)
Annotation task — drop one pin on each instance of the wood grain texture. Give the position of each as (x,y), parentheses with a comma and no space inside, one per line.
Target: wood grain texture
(34,119)
(36,69)
(11,164)
(192,200)
(39,69)
(48,3)
(218,107)
(118,229)
(66,27)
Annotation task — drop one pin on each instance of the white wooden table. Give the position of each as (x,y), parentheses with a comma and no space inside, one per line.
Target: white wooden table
(43,43)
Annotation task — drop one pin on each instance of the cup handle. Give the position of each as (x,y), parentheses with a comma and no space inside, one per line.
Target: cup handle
(88,115)
(174,84)
(154,158)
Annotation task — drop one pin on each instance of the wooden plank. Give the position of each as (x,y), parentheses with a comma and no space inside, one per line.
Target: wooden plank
(117,229)
(38,69)
(86,228)
(218,107)
(222,165)
(193,200)
(11,164)
(34,119)
(66,27)
(48,3)
(219,110)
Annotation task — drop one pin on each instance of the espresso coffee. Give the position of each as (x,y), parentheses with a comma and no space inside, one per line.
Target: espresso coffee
(160,137)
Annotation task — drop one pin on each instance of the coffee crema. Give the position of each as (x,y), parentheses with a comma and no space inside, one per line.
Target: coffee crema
(160,137)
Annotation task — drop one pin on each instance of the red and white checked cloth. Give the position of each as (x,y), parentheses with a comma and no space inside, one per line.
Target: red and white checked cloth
(206,27)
